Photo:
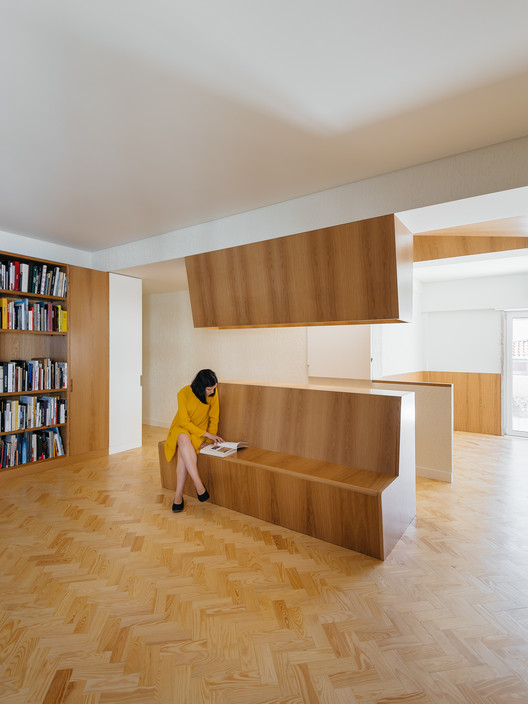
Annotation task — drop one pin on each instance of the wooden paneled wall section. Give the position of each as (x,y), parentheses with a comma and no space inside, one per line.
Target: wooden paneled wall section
(428,247)
(88,342)
(334,464)
(476,398)
(286,281)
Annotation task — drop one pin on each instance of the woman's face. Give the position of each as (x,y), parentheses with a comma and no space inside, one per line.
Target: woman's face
(209,390)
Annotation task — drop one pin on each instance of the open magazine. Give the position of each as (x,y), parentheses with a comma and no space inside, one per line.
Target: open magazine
(223,449)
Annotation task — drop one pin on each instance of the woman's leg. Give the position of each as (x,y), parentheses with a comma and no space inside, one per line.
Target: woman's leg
(187,454)
(181,476)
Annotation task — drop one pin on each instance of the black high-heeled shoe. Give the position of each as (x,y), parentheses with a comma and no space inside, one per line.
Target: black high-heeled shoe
(204,496)
(176,508)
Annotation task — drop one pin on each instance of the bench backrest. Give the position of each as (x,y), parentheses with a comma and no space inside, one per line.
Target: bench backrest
(355,429)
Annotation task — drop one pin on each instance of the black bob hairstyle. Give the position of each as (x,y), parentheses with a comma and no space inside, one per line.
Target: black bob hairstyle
(204,378)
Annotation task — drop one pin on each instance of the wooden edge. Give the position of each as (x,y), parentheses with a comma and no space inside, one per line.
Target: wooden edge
(280,470)
(308,477)
(410,383)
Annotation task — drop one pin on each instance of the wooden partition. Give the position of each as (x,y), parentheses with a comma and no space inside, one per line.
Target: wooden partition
(359,430)
(353,273)
(477,398)
(331,463)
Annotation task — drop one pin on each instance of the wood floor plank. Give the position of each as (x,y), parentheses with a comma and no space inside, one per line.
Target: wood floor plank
(106,596)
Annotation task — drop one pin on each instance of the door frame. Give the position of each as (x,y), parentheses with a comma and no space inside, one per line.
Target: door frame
(507,375)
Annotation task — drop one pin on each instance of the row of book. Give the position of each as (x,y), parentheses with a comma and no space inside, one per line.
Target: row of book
(27,412)
(30,447)
(33,277)
(33,315)
(20,375)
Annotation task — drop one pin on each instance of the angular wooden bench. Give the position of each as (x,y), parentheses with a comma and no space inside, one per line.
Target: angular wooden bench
(335,464)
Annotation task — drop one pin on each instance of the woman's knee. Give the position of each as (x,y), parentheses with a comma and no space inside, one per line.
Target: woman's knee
(184,440)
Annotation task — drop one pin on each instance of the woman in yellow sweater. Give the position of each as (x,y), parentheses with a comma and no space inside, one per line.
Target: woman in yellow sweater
(194,424)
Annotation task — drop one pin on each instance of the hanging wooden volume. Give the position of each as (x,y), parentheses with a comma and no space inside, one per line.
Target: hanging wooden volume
(359,272)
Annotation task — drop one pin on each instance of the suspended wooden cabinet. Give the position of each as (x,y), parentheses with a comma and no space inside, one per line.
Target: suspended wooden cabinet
(359,272)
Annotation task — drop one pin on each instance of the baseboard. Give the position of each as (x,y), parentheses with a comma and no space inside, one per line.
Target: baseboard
(441,475)
(156,423)
(114,449)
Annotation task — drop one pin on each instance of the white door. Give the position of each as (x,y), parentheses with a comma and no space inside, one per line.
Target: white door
(516,373)
(125,426)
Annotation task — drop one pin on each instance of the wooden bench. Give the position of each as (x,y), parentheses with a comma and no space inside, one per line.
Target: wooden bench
(336,464)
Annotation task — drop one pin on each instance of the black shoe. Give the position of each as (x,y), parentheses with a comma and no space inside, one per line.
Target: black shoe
(176,508)
(204,496)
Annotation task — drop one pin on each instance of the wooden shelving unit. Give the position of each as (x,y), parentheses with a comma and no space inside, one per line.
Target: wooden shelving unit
(83,346)
(23,341)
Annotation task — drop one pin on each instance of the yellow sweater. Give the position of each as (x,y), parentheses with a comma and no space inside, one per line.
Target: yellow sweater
(194,418)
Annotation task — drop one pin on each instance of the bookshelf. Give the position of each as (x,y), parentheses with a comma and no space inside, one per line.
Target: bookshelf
(54,333)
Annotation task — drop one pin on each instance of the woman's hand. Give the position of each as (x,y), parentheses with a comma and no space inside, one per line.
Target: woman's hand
(214,438)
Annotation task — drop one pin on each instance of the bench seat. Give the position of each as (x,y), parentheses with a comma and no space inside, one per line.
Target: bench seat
(361,480)
(332,502)
(331,463)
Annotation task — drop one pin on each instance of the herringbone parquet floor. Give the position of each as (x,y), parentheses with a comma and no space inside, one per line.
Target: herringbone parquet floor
(108,597)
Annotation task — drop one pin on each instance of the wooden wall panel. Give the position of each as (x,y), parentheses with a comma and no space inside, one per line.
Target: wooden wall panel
(350,273)
(477,400)
(355,429)
(326,511)
(88,339)
(428,247)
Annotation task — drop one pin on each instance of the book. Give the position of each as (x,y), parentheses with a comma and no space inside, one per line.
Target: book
(223,449)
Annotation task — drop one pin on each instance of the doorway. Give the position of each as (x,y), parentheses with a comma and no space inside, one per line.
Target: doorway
(516,372)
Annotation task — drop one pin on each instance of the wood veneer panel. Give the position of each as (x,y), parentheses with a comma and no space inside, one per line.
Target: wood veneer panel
(351,273)
(427,247)
(352,429)
(505,227)
(26,345)
(336,465)
(477,400)
(88,338)
(326,511)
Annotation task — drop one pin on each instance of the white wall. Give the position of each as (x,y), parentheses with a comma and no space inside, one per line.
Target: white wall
(339,351)
(125,363)
(464,341)
(398,348)
(487,292)
(31,247)
(174,351)
(434,428)
(464,321)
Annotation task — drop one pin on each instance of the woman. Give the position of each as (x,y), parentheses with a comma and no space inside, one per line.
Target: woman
(194,424)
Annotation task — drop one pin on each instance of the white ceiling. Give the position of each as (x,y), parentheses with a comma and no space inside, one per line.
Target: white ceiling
(124,119)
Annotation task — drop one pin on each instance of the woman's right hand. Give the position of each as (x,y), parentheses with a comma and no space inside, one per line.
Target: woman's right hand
(214,438)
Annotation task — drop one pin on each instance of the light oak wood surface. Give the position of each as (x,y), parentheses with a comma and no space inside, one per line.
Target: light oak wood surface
(107,597)
(319,462)
(428,247)
(476,398)
(351,273)
(516,226)
(474,238)
(88,339)
(359,430)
